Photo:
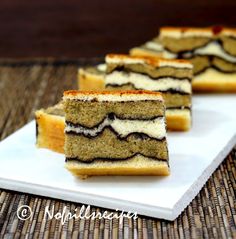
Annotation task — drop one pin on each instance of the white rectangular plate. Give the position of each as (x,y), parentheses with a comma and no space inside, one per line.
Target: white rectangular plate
(194,156)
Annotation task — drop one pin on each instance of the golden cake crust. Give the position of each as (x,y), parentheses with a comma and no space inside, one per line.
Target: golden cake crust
(212,30)
(115,93)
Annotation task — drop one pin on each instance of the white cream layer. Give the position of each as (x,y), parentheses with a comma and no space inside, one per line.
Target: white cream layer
(168,63)
(155,128)
(140,81)
(212,75)
(152,45)
(169,55)
(214,48)
(102,67)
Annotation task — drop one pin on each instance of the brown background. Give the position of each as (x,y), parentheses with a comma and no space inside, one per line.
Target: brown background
(85,28)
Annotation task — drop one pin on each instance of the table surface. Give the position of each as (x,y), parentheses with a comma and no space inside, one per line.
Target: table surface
(35,83)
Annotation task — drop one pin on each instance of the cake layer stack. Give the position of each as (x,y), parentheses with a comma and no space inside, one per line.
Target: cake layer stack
(170,77)
(211,50)
(115,133)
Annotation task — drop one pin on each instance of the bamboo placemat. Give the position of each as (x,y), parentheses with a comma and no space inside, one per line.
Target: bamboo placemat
(27,85)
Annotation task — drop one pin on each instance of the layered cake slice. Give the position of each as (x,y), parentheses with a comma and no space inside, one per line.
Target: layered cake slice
(211,50)
(115,133)
(92,77)
(50,126)
(170,77)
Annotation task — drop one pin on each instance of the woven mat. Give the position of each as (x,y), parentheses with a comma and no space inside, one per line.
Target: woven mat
(31,84)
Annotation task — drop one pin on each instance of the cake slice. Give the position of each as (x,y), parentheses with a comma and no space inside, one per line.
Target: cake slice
(171,77)
(115,133)
(211,50)
(50,126)
(91,77)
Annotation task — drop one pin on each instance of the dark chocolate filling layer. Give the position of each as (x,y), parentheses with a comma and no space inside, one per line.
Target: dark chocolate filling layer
(114,159)
(179,108)
(171,91)
(221,43)
(106,101)
(37,130)
(232,37)
(127,71)
(141,136)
